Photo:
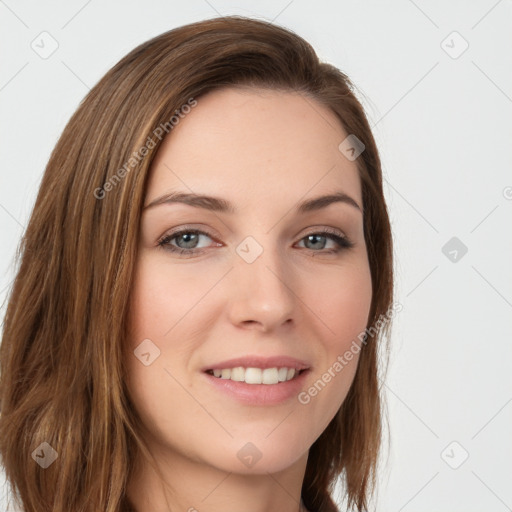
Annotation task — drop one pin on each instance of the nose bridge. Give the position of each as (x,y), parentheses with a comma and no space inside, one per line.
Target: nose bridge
(263,287)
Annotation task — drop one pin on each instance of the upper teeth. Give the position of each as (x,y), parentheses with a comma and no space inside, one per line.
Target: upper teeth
(256,375)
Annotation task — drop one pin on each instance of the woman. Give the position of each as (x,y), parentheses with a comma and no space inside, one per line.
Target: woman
(203,286)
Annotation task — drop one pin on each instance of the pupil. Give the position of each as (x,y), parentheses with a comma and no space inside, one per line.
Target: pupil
(313,237)
(190,237)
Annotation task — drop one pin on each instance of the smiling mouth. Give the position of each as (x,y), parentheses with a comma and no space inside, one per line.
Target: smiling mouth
(257,375)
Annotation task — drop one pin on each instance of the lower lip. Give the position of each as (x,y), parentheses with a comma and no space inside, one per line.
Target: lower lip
(259,394)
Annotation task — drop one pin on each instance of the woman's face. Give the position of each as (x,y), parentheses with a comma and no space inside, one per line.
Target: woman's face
(260,287)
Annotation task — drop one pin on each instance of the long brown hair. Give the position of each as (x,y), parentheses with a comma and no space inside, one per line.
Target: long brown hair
(62,379)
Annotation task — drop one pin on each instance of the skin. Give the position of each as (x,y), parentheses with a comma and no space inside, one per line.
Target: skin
(264,151)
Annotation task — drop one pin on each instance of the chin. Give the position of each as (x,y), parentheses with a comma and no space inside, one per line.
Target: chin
(259,457)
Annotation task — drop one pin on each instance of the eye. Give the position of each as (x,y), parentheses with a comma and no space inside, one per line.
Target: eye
(339,240)
(186,242)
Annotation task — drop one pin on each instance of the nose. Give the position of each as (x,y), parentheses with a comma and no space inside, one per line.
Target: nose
(262,294)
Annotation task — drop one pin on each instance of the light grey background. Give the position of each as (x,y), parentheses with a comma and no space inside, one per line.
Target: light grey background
(444,128)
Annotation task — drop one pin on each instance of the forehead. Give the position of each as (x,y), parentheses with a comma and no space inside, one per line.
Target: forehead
(250,144)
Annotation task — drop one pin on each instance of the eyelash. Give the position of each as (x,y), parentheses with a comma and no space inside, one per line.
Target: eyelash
(342,241)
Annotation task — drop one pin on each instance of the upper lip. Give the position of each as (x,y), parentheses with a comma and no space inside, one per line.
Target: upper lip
(260,362)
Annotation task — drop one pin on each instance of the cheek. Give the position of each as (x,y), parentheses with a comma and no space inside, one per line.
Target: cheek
(350,308)
(343,308)
(157,303)
(161,297)
(342,302)
(163,300)
(146,300)
(148,321)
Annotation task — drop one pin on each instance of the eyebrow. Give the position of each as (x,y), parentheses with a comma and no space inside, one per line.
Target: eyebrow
(218,204)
